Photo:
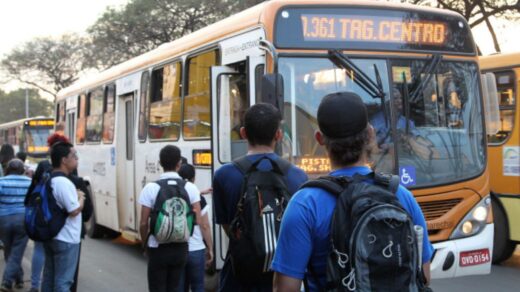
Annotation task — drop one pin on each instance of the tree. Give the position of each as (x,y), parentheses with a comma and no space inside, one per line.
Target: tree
(143,25)
(478,11)
(16,101)
(47,63)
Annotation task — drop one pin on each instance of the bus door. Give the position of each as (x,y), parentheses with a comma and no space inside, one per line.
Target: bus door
(125,163)
(232,93)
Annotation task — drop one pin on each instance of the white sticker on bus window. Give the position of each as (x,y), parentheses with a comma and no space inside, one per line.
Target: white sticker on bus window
(511,161)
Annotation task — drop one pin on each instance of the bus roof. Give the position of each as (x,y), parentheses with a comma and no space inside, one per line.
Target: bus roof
(262,14)
(21,121)
(504,60)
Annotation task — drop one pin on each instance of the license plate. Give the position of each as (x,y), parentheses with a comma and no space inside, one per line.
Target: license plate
(474,257)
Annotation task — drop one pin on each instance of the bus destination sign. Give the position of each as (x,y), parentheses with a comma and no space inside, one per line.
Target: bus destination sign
(40,123)
(371,29)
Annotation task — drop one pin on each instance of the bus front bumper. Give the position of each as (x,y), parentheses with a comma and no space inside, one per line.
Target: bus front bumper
(464,256)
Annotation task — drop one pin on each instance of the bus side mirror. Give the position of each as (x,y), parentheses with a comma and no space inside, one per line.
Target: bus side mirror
(272,90)
(492,113)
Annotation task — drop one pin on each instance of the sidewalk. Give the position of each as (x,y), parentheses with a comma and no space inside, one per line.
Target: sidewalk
(26,265)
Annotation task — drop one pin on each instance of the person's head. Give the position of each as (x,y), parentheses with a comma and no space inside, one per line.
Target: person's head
(6,154)
(262,125)
(15,166)
(397,99)
(170,158)
(55,138)
(187,172)
(64,157)
(21,155)
(344,129)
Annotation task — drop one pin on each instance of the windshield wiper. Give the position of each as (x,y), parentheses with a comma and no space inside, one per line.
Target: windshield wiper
(360,78)
(428,70)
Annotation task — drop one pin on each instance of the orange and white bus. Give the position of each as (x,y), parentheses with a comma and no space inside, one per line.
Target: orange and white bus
(504,154)
(28,135)
(408,63)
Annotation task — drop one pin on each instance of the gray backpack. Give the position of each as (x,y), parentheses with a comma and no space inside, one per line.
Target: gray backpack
(374,246)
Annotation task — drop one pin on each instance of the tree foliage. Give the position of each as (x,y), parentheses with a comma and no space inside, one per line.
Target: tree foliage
(142,25)
(16,105)
(47,63)
(479,11)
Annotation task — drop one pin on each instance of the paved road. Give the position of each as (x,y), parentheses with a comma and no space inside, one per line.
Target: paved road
(113,265)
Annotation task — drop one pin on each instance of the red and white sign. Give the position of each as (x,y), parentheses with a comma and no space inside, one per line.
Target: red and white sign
(474,257)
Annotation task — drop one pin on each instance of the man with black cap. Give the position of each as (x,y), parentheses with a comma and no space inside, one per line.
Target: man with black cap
(304,240)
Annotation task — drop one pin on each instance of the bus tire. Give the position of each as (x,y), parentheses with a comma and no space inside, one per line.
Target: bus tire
(503,247)
(93,229)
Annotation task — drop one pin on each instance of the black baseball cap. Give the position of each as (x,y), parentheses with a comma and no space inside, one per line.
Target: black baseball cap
(342,114)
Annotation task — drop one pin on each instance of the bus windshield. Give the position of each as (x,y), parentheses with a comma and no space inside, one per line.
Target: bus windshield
(428,123)
(37,137)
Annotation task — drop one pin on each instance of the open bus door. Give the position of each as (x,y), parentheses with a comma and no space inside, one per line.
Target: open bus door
(232,93)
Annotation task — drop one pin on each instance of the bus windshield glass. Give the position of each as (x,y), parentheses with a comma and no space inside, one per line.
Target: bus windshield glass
(37,138)
(437,138)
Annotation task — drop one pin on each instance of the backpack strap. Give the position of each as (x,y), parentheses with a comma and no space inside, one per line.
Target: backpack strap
(280,165)
(390,181)
(329,183)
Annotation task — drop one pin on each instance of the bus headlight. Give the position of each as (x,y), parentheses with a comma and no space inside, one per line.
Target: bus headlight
(475,221)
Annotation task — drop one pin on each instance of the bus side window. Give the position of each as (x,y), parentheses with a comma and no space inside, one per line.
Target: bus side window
(109,107)
(60,117)
(143,106)
(506,104)
(165,107)
(196,111)
(80,128)
(95,115)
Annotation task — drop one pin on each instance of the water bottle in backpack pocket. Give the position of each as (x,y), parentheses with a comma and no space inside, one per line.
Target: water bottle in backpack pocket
(172,218)
(255,227)
(43,217)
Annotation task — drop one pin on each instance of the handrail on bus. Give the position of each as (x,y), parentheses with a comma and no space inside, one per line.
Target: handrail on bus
(269,47)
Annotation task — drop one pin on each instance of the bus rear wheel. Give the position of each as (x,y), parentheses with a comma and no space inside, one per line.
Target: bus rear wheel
(503,247)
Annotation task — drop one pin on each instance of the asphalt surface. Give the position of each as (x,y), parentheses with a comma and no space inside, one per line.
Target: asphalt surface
(115,265)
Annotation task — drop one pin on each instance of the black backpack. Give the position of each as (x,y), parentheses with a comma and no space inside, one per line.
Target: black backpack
(255,227)
(43,217)
(172,218)
(374,245)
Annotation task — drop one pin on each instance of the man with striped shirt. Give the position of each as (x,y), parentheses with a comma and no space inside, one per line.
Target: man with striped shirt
(13,188)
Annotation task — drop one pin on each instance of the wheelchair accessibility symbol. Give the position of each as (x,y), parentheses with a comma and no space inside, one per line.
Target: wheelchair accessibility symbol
(407,175)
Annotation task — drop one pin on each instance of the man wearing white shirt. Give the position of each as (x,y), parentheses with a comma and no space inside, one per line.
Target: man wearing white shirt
(165,261)
(61,253)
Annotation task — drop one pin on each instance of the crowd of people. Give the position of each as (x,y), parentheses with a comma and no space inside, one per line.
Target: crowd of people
(281,226)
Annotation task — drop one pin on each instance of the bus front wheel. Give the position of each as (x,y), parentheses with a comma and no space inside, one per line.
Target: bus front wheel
(503,247)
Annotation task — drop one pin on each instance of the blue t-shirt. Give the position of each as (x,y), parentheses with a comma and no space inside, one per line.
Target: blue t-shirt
(305,232)
(227,184)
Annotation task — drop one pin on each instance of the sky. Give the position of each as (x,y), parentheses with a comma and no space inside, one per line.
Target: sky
(22,20)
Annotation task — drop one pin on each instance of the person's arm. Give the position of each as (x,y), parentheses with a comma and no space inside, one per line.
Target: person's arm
(81,201)
(206,235)
(143,224)
(426,271)
(284,283)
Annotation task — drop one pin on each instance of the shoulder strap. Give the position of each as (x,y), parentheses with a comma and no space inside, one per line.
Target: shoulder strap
(279,165)
(328,183)
(243,164)
(390,181)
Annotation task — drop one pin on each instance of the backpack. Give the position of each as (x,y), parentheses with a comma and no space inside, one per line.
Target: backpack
(43,217)
(172,217)
(255,227)
(373,240)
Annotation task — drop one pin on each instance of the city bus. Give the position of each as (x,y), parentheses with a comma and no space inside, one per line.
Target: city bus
(504,154)
(408,63)
(28,135)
